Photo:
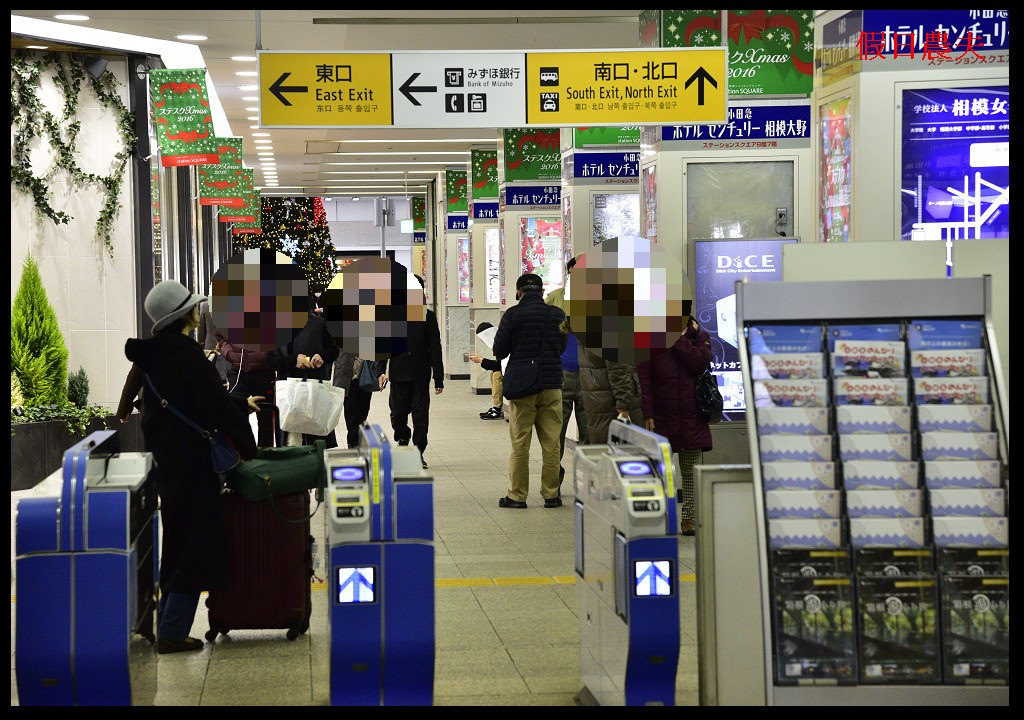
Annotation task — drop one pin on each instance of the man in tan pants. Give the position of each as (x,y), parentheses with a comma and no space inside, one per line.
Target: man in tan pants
(532,330)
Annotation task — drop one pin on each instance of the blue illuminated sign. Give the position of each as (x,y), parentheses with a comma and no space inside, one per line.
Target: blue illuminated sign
(956,163)
(485,210)
(348,474)
(761,122)
(533,195)
(635,467)
(606,165)
(355,584)
(653,578)
(458,222)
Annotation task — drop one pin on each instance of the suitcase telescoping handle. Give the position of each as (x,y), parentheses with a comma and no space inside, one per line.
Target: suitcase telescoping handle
(72,498)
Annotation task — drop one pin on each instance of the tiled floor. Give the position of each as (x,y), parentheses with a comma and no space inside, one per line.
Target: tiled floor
(514,642)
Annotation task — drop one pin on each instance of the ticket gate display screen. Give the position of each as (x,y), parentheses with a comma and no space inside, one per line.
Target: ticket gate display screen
(652,577)
(635,468)
(355,584)
(348,473)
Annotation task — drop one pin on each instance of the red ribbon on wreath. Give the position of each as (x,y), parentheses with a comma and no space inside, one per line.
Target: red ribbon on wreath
(702,23)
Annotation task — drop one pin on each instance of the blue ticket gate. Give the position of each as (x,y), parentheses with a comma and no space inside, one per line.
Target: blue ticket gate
(86,550)
(380,539)
(627,568)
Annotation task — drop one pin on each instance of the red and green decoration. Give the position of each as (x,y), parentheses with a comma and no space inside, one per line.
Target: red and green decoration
(771,52)
(532,154)
(249,215)
(628,135)
(419,214)
(181,112)
(650,28)
(485,174)
(245,188)
(456,191)
(296,227)
(222,184)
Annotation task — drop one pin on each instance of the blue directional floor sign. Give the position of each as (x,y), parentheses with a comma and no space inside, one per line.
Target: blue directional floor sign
(355,584)
(653,577)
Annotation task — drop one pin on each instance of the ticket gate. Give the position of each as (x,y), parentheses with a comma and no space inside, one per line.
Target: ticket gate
(380,540)
(86,565)
(627,568)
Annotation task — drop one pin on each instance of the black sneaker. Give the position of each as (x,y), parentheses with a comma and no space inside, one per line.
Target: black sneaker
(492,414)
(403,443)
(424,462)
(507,502)
(553,502)
(189,644)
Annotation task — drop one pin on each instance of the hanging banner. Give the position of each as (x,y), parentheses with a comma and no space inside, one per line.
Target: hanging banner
(606,165)
(455,191)
(485,174)
(771,52)
(181,112)
(243,190)
(584,136)
(222,184)
(531,154)
(419,216)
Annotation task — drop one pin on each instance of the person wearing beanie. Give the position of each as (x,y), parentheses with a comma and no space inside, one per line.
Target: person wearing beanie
(193,554)
(533,331)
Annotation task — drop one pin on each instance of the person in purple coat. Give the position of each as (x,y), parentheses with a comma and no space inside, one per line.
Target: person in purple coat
(668,393)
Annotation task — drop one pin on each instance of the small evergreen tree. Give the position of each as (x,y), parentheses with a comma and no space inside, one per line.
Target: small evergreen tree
(39,356)
(17,399)
(78,388)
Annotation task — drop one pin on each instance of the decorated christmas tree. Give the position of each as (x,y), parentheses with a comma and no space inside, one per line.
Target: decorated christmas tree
(297,227)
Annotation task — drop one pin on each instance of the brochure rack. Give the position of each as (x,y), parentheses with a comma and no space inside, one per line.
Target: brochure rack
(864,302)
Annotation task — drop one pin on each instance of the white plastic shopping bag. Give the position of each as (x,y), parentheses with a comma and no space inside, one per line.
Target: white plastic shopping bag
(312,407)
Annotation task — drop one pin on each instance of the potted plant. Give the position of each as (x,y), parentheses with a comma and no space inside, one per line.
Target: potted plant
(50,412)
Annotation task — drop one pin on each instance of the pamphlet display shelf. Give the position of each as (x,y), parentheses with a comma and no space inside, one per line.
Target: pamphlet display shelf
(863,303)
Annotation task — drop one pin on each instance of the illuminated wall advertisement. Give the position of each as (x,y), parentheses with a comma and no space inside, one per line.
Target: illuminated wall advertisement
(834,207)
(492,254)
(956,163)
(465,269)
(541,243)
(650,187)
(719,264)
(615,215)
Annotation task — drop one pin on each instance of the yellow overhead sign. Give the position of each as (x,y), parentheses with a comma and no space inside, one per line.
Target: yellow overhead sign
(325,89)
(627,87)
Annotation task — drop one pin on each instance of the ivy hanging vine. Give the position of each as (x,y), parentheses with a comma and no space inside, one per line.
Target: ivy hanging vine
(31,120)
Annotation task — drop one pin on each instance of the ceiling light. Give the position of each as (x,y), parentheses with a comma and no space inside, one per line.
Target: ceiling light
(247,73)
(252,109)
(249,88)
(269,152)
(72,18)
(243,58)
(192,38)
(402,152)
(394,162)
(261,134)
(254,118)
(262,142)
(37,47)
(254,127)
(490,141)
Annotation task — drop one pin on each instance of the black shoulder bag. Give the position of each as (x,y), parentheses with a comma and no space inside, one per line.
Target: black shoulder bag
(709,398)
(523,377)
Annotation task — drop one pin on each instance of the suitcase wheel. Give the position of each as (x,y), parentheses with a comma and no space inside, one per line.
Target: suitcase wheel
(294,632)
(212,633)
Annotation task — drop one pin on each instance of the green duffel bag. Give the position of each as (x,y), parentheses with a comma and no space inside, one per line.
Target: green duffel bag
(280,471)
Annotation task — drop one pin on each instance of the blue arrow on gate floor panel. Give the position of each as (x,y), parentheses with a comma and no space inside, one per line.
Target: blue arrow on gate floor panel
(653,577)
(351,584)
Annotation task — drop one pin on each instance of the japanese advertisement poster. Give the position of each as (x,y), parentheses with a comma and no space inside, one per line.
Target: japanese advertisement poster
(834,208)
(181,112)
(615,215)
(541,243)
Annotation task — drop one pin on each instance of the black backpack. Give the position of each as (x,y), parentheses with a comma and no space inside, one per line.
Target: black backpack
(709,399)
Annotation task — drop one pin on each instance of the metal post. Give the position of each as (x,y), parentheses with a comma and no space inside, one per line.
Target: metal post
(259,39)
(383,223)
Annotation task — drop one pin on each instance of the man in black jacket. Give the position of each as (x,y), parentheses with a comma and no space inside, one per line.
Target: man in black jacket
(409,374)
(532,330)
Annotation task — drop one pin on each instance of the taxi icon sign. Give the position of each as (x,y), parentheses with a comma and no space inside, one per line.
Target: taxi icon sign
(549,102)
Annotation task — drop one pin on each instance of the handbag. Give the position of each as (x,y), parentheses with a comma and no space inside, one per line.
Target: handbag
(309,406)
(709,398)
(522,378)
(368,380)
(223,454)
(279,471)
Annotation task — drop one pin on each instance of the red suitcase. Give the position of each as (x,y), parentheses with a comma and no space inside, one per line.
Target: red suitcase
(269,567)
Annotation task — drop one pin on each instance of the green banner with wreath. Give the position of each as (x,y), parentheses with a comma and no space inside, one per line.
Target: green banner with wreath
(532,154)
(455,191)
(181,112)
(222,184)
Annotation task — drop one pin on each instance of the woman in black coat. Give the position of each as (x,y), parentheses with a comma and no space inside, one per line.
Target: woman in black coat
(193,556)
(310,355)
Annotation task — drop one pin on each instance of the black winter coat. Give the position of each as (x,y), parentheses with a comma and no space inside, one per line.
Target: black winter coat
(193,557)
(312,340)
(520,332)
(422,357)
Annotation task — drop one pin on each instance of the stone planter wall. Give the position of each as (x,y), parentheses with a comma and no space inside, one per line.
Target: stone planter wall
(37,449)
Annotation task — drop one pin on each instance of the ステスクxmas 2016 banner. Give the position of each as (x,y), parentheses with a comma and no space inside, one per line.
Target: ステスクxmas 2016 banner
(181,112)
(222,184)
